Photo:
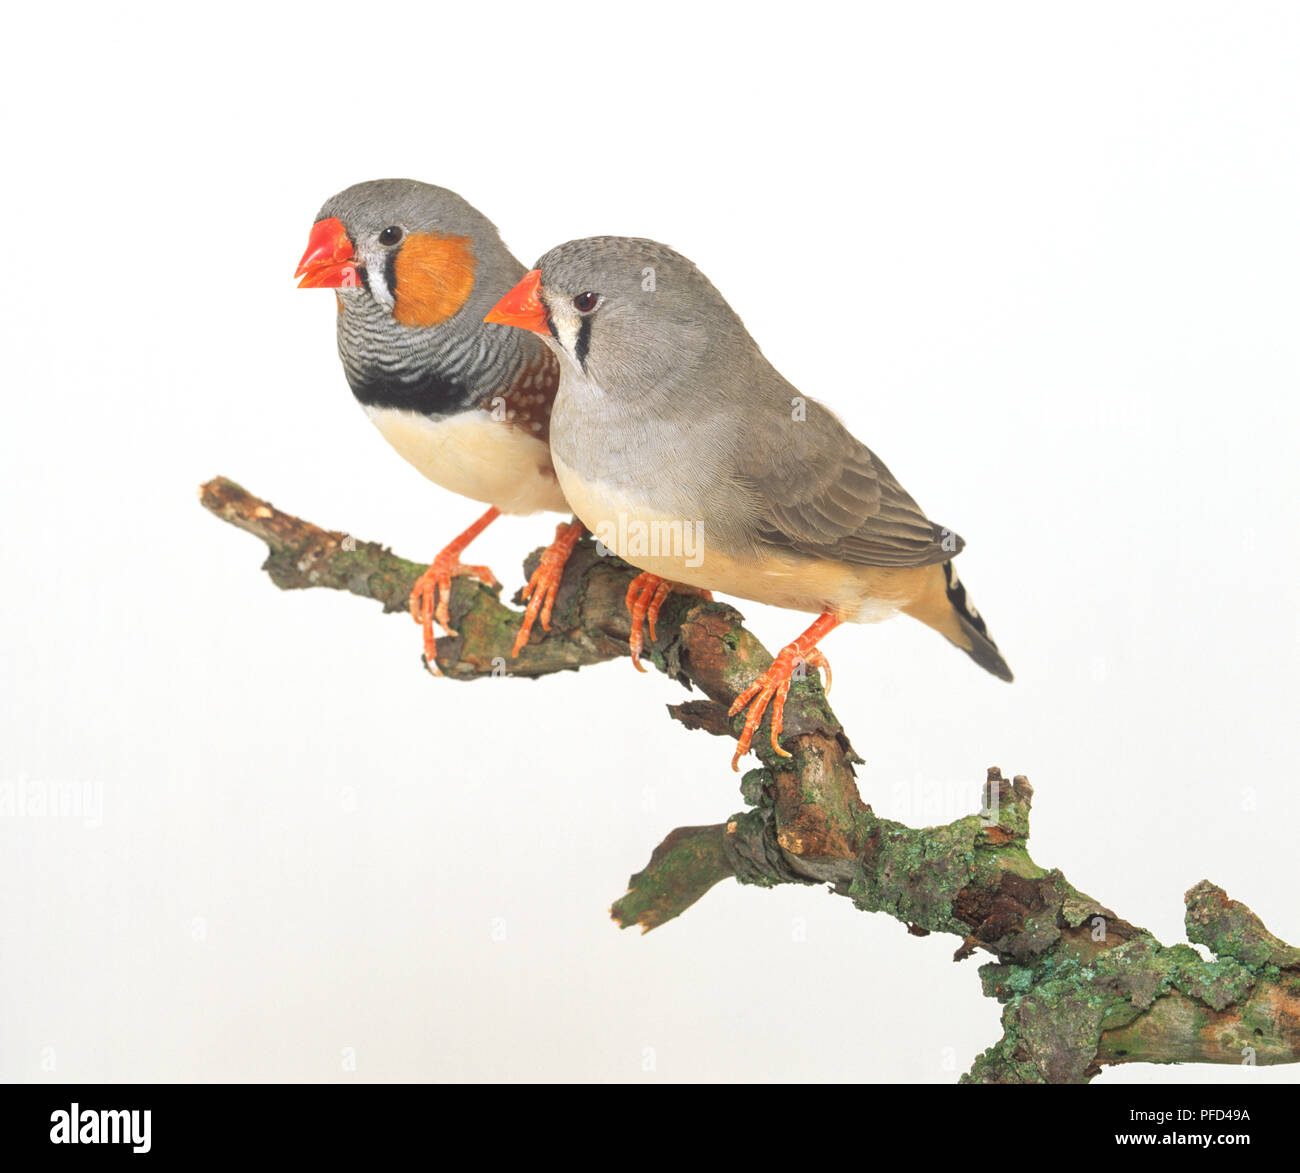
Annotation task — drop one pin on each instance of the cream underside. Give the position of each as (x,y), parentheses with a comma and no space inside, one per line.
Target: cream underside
(858,594)
(476,456)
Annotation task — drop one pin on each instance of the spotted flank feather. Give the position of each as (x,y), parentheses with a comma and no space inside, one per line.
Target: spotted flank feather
(526,404)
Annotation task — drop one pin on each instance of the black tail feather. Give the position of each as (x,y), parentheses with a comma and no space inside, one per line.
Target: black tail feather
(982,650)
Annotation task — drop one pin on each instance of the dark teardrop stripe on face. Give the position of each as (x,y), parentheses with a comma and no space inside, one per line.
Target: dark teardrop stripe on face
(583,342)
(430,394)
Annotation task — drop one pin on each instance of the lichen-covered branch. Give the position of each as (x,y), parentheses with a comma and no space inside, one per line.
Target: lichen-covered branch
(1080,986)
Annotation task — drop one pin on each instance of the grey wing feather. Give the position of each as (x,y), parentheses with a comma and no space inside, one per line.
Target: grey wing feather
(823,493)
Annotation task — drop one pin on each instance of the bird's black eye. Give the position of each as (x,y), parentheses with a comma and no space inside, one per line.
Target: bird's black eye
(584,303)
(391,235)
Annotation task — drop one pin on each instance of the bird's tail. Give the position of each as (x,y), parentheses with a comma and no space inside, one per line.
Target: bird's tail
(944,606)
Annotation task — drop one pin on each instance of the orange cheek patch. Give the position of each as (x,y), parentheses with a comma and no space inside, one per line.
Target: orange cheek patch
(434,278)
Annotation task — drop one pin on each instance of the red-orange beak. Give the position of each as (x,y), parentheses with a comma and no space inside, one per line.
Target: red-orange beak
(522,307)
(327,263)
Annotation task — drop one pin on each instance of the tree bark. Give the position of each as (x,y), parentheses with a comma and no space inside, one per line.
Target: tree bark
(1081,987)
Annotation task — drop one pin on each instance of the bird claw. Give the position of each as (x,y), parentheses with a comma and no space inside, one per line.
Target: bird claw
(431,596)
(771,689)
(645,596)
(431,593)
(544,585)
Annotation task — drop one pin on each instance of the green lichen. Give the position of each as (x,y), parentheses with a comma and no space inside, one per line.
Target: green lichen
(916,874)
(1219,984)
(1077,908)
(756,788)
(1059,1005)
(1230,929)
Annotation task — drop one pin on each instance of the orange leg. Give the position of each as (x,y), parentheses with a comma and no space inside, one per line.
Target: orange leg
(773,686)
(644,598)
(432,589)
(541,590)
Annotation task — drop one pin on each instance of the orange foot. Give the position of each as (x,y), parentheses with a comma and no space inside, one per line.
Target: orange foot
(541,590)
(644,598)
(432,590)
(774,685)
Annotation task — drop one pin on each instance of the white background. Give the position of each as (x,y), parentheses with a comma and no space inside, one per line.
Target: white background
(1043,259)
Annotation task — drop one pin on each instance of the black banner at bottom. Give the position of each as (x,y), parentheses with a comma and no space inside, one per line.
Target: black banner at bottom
(381,1122)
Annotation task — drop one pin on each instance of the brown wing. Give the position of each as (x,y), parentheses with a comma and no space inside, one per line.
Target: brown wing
(526,404)
(822,493)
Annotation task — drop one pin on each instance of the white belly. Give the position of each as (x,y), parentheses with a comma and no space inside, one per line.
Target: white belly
(476,456)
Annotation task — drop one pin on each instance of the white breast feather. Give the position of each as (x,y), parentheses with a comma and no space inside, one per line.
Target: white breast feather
(472,454)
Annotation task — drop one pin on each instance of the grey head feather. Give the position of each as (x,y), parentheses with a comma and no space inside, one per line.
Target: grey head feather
(368,208)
